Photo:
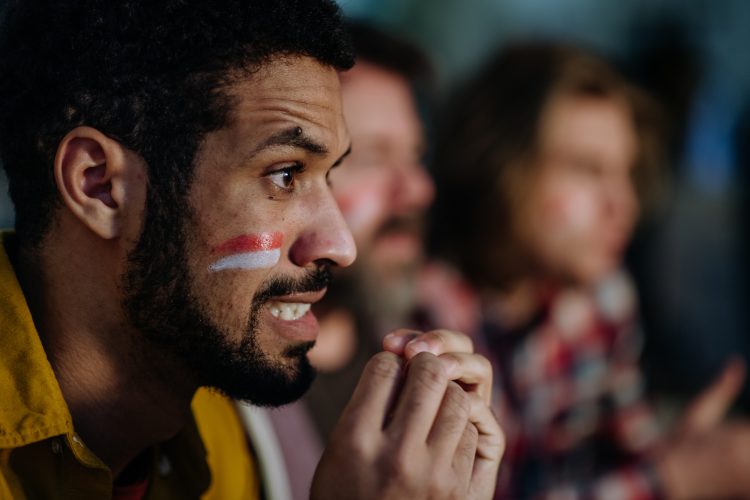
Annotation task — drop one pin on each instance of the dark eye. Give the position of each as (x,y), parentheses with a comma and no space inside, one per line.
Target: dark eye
(284,177)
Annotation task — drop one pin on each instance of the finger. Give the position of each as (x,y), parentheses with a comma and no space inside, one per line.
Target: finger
(423,389)
(396,341)
(473,371)
(372,398)
(450,424)
(709,408)
(465,456)
(438,342)
(490,448)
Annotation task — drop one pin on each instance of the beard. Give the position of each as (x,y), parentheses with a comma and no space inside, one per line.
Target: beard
(161,302)
(387,290)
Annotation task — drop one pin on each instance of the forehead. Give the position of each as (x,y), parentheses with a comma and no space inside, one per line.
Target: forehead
(284,92)
(589,124)
(377,100)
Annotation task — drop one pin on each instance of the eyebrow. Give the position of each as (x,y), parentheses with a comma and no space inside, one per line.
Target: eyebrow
(293,136)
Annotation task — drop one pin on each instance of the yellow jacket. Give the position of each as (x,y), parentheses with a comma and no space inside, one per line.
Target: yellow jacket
(41,456)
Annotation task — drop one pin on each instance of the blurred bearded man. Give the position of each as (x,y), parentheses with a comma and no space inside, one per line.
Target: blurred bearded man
(384,192)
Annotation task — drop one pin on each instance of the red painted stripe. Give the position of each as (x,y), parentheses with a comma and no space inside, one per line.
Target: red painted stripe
(250,243)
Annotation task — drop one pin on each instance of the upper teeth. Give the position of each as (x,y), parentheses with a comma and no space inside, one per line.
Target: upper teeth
(288,311)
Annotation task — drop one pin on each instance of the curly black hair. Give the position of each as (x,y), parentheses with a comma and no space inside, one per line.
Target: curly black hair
(150,74)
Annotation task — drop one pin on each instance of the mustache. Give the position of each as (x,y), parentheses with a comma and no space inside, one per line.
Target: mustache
(402,224)
(313,281)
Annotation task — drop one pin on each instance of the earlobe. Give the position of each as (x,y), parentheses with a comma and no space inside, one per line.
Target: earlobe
(91,172)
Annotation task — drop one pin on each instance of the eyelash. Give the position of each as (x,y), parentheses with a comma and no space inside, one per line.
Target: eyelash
(292,170)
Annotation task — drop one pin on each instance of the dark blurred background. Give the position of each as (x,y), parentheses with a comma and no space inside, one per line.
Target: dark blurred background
(690,255)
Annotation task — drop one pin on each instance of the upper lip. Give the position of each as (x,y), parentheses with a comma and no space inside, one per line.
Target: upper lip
(302,297)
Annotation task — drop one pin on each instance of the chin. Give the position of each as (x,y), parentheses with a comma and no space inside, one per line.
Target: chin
(590,275)
(254,375)
(273,390)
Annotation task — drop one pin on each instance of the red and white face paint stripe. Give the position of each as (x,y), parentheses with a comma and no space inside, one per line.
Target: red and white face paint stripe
(249,251)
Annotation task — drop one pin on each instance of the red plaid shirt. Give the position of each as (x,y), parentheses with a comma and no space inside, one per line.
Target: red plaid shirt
(570,397)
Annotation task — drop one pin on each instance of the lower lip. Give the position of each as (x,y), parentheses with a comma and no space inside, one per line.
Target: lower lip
(304,329)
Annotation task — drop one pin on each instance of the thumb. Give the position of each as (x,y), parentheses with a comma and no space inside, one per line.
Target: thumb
(708,409)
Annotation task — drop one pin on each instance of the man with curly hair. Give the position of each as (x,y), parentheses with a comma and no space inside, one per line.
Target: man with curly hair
(169,163)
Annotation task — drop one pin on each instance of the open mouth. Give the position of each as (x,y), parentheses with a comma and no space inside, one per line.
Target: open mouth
(288,311)
(292,316)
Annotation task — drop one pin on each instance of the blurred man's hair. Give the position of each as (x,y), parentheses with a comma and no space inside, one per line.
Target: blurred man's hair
(152,75)
(489,142)
(386,50)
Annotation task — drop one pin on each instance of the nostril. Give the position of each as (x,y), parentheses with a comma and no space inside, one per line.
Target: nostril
(325,263)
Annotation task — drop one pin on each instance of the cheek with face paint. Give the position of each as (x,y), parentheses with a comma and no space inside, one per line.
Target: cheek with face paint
(564,228)
(248,251)
(570,210)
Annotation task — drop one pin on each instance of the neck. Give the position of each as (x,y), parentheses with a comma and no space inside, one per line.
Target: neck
(124,397)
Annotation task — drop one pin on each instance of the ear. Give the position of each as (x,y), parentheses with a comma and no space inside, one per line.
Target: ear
(96,177)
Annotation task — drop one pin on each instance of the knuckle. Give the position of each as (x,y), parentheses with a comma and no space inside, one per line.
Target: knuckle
(458,401)
(485,364)
(476,402)
(469,440)
(444,485)
(402,464)
(384,365)
(428,372)
(496,446)
(469,342)
(349,447)
(471,433)
(403,469)
(357,449)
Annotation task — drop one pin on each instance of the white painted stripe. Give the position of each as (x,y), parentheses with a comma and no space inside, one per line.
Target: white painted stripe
(248,260)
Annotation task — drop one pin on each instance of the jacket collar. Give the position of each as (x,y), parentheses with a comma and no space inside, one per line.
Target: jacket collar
(32,407)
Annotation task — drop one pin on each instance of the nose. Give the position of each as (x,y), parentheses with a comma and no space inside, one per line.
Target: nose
(325,236)
(413,188)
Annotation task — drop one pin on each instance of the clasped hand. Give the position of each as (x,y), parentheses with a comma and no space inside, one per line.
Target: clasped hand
(418,426)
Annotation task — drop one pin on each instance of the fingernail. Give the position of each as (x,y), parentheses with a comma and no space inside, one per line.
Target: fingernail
(418,346)
(392,341)
(398,340)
